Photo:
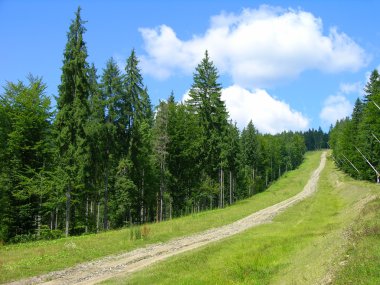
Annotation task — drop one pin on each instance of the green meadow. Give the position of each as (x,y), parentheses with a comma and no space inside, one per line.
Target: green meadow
(333,236)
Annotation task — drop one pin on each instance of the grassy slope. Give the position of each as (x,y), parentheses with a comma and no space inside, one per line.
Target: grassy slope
(363,255)
(24,260)
(304,245)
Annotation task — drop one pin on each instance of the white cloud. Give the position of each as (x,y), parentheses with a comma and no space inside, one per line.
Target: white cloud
(349,88)
(336,107)
(256,47)
(267,114)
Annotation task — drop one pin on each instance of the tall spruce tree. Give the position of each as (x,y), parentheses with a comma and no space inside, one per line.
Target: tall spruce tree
(95,137)
(73,113)
(131,103)
(161,141)
(112,92)
(205,100)
(135,122)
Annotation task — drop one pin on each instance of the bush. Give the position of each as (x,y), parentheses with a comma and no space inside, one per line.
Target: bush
(23,238)
(145,231)
(47,234)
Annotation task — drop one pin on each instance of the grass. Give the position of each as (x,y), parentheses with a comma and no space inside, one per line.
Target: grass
(362,265)
(305,244)
(30,259)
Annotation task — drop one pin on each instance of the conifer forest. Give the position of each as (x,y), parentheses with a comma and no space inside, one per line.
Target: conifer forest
(105,158)
(355,140)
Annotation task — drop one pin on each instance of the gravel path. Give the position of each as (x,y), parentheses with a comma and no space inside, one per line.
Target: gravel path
(121,264)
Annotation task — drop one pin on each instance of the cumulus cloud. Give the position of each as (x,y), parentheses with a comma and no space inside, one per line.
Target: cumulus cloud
(268,114)
(336,107)
(257,47)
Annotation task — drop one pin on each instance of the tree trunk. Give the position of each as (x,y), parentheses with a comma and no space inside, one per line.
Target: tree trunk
(230,187)
(39,216)
(158,206)
(253,180)
(161,190)
(142,198)
(234,186)
(86,227)
(222,188)
(105,222)
(68,205)
(51,220)
(170,209)
(98,217)
(271,169)
(56,218)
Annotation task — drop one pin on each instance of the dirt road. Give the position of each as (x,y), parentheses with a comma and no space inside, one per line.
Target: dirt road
(105,268)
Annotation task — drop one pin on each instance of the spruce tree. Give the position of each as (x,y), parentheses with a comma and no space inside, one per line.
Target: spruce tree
(250,155)
(73,113)
(161,141)
(131,104)
(205,101)
(25,156)
(95,138)
(134,133)
(112,92)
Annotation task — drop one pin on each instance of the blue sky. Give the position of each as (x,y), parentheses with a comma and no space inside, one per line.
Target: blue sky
(287,65)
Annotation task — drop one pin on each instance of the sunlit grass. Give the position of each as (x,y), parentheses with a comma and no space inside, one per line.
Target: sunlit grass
(363,254)
(29,259)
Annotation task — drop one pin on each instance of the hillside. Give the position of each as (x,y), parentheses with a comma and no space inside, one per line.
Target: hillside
(23,260)
(331,238)
(282,251)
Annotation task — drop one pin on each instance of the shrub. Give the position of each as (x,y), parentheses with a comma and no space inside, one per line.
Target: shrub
(145,231)
(47,234)
(23,238)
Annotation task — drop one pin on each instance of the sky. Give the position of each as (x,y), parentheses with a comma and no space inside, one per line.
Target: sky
(285,65)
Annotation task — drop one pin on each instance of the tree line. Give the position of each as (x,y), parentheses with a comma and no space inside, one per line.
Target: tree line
(355,140)
(316,139)
(105,158)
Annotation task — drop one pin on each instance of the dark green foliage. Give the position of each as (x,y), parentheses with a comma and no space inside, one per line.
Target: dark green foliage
(110,144)
(315,139)
(73,115)
(360,133)
(25,157)
(205,101)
